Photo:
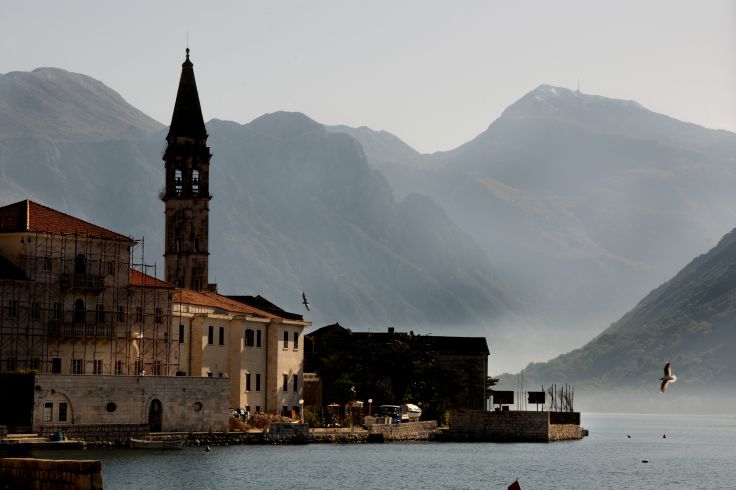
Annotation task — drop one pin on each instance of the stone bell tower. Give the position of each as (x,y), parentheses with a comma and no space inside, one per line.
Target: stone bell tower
(186,195)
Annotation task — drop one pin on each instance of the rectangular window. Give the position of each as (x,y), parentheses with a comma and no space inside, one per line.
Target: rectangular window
(258,409)
(248,337)
(211,335)
(35,311)
(286,382)
(219,375)
(258,337)
(100,314)
(209,374)
(138,314)
(118,368)
(285,411)
(36,365)
(221,337)
(247,381)
(286,340)
(12,308)
(138,368)
(62,411)
(258,382)
(157,368)
(296,340)
(56,311)
(158,315)
(247,408)
(48,412)
(296,383)
(56,365)
(181,334)
(121,314)
(110,266)
(77,366)
(97,366)
(47,263)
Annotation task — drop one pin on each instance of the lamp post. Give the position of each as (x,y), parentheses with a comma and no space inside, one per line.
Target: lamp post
(301,410)
(370,402)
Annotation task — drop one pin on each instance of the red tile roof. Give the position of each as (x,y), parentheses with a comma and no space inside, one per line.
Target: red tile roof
(214,300)
(137,278)
(30,216)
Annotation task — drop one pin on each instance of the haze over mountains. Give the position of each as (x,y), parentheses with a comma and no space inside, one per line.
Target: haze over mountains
(539,232)
(689,321)
(295,207)
(582,203)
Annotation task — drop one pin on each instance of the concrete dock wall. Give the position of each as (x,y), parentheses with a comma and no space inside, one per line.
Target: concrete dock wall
(46,474)
(509,426)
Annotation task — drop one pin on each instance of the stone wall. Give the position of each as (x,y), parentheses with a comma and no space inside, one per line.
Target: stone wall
(187,404)
(565,432)
(407,431)
(50,474)
(117,433)
(508,426)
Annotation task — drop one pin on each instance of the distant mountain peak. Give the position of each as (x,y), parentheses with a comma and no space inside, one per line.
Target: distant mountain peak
(287,124)
(68,106)
(547,100)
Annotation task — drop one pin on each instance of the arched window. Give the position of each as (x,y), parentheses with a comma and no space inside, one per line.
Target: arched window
(195,182)
(79,311)
(177,182)
(80,264)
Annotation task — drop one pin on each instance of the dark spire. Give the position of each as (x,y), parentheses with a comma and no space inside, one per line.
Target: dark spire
(187,119)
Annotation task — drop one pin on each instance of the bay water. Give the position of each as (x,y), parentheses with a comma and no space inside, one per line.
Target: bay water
(697,452)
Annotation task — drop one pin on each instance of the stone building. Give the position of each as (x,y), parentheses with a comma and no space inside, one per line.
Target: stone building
(91,331)
(247,339)
(90,339)
(259,350)
(186,194)
(440,372)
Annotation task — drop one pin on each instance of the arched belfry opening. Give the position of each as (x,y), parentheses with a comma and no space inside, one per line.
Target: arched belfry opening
(186,196)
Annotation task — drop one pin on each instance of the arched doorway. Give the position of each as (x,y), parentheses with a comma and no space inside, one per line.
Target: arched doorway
(155,416)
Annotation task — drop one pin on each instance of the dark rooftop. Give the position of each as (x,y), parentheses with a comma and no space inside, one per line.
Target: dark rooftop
(187,119)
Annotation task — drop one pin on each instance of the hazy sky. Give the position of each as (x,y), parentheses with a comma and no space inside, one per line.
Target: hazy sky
(434,73)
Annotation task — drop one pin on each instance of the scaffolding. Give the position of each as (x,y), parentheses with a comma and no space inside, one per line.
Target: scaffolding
(79,309)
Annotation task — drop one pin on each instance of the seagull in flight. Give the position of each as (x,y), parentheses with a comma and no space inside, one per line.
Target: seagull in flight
(305,301)
(667,378)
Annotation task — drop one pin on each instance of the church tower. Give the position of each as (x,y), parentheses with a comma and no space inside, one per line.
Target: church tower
(186,195)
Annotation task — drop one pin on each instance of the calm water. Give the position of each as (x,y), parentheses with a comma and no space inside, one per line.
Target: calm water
(699,452)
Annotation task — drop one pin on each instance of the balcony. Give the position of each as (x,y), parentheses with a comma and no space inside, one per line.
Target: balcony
(82,281)
(76,330)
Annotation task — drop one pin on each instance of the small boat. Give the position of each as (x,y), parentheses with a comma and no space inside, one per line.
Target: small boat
(154,444)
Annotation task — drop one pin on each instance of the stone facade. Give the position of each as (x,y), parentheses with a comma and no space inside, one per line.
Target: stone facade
(84,404)
(50,474)
(74,305)
(255,349)
(509,426)
(186,193)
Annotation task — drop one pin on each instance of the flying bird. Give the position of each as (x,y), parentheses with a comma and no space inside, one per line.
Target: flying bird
(305,301)
(667,378)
